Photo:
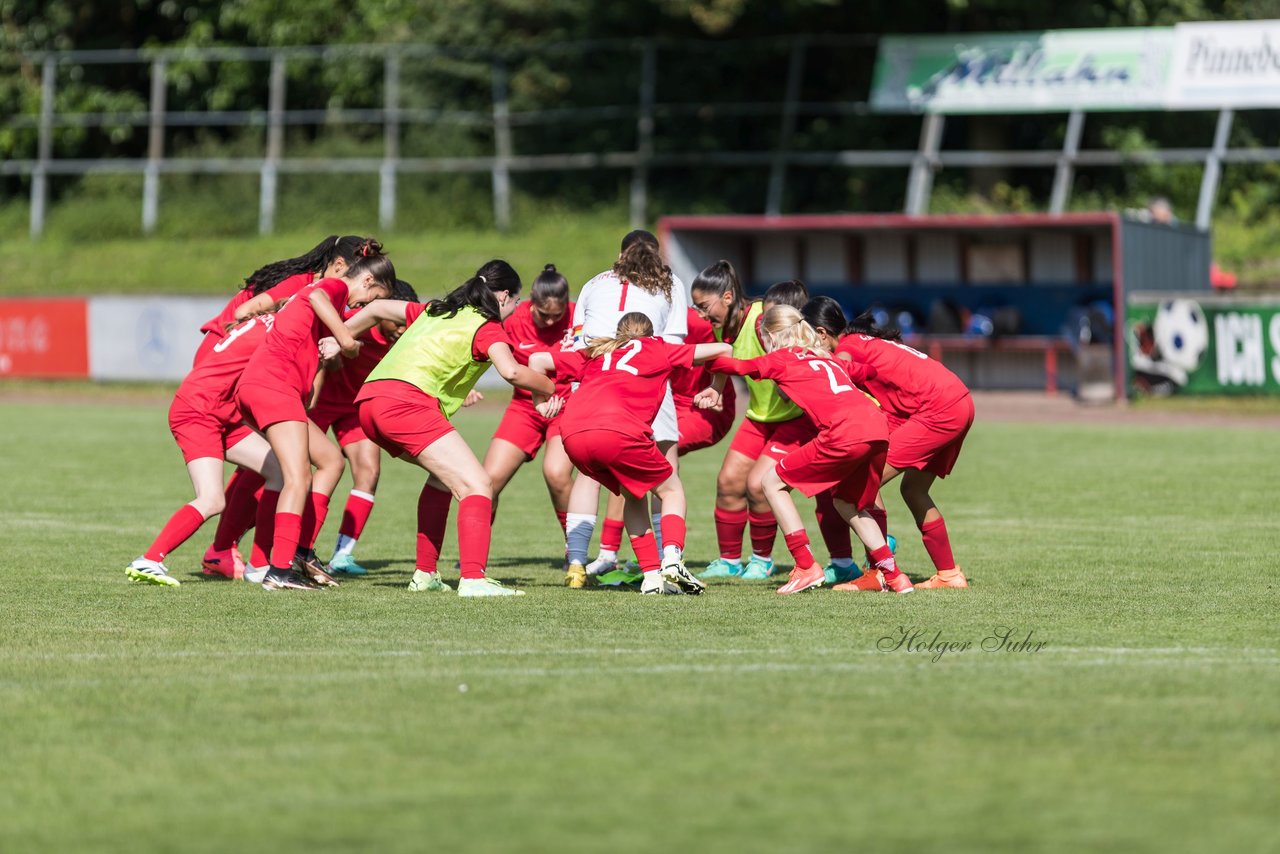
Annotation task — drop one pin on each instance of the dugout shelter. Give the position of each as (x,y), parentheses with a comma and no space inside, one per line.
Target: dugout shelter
(1035,273)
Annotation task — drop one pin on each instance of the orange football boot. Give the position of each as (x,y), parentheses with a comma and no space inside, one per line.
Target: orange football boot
(899,583)
(945,578)
(871,580)
(803,579)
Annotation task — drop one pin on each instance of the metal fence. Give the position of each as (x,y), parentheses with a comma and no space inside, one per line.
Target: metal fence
(642,108)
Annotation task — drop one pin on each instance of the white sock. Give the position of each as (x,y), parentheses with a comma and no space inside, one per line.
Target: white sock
(346,545)
(607,556)
(765,558)
(657,529)
(670,553)
(580,527)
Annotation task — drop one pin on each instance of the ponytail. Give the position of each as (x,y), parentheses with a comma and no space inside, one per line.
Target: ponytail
(478,292)
(786,328)
(865,324)
(333,247)
(633,325)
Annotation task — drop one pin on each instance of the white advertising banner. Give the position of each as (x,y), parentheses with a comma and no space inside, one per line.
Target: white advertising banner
(1231,64)
(146,338)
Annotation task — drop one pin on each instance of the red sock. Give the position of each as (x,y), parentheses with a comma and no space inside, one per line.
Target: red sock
(730,526)
(938,544)
(313,516)
(433,518)
(474,533)
(355,514)
(646,549)
(835,530)
(882,559)
(176,531)
(242,506)
(264,528)
(764,529)
(798,545)
(284,544)
(673,531)
(611,534)
(563,519)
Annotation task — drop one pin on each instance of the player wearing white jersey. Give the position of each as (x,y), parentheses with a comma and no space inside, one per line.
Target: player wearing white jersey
(638,282)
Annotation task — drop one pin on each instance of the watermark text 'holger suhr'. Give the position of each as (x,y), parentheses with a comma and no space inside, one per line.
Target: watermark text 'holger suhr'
(935,644)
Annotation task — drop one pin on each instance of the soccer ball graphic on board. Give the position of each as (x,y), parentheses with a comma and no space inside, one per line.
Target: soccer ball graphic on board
(1181,333)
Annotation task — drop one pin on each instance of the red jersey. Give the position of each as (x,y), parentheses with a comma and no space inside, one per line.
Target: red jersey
(685,384)
(290,356)
(818,385)
(282,290)
(905,381)
(620,391)
(210,386)
(528,338)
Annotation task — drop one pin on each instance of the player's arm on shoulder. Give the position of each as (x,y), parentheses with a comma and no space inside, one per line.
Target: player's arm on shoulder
(707,352)
(375,312)
(518,375)
(329,316)
(260,304)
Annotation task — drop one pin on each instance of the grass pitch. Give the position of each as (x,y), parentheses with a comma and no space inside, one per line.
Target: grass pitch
(217,717)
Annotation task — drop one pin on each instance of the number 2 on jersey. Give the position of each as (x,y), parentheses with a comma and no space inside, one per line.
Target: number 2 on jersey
(822,365)
(632,347)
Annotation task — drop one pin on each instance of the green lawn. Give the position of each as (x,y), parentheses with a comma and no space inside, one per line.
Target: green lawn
(580,245)
(217,717)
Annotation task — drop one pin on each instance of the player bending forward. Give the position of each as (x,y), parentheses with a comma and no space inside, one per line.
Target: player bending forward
(608,435)
(847,456)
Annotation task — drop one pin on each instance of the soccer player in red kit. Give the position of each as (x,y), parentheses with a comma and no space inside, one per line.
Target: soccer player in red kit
(542,324)
(846,457)
(273,393)
(929,411)
(608,434)
(699,428)
(208,428)
(336,410)
(406,402)
(262,291)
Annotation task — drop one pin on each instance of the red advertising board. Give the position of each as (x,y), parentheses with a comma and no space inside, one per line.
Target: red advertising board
(44,338)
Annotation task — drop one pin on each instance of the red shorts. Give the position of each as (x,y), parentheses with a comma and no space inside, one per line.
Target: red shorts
(263,405)
(851,470)
(523,427)
(404,424)
(930,441)
(200,433)
(342,418)
(618,461)
(775,440)
(701,428)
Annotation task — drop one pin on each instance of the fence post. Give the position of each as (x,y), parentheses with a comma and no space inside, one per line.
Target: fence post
(502,148)
(644,135)
(1064,172)
(390,140)
(1213,170)
(275,146)
(920,181)
(155,148)
(44,150)
(778,171)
